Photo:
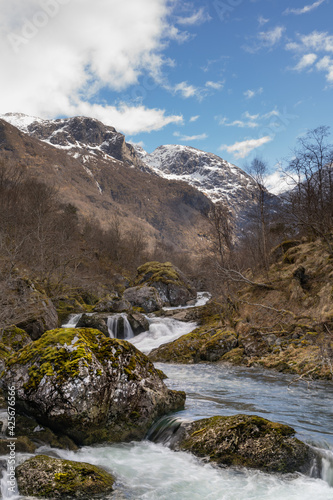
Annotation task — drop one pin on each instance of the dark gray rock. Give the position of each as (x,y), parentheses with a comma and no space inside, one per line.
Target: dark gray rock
(93,388)
(144,297)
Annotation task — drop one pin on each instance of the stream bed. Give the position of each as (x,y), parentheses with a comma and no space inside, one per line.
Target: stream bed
(150,471)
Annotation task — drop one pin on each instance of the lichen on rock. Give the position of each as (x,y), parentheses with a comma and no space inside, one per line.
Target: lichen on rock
(88,386)
(247,441)
(47,477)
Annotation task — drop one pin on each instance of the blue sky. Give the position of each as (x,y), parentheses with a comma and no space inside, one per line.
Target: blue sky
(238,78)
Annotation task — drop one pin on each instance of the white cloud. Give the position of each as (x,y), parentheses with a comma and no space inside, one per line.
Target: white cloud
(326,64)
(57,55)
(262,20)
(305,9)
(250,121)
(319,43)
(244,148)
(190,138)
(214,85)
(186,90)
(129,119)
(194,118)
(238,123)
(273,36)
(306,61)
(199,17)
(251,93)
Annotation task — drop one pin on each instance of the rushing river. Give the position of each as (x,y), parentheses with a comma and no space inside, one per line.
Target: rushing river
(148,471)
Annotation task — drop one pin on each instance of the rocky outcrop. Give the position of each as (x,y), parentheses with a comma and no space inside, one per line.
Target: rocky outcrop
(49,477)
(171,284)
(91,387)
(144,297)
(248,441)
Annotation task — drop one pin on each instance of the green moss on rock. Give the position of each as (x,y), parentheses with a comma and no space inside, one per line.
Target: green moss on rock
(15,338)
(152,272)
(247,441)
(47,477)
(82,383)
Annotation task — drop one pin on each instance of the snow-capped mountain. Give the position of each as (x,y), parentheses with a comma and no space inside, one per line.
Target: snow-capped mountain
(97,146)
(210,174)
(83,138)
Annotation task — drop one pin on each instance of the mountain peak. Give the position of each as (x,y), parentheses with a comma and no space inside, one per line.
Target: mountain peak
(210,174)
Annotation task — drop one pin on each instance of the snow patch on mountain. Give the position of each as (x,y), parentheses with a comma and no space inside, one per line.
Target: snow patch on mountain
(210,174)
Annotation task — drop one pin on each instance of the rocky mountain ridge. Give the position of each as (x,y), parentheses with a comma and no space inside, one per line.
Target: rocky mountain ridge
(89,141)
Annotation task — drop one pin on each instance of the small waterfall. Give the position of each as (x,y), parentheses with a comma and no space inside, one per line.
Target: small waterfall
(325,465)
(72,321)
(119,327)
(166,431)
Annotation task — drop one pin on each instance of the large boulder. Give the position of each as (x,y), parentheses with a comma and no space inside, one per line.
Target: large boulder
(144,297)
(89,386)
(248,441)
(48,477)
(171,284)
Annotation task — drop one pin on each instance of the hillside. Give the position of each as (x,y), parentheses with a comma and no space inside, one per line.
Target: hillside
(284,320)
(93,168)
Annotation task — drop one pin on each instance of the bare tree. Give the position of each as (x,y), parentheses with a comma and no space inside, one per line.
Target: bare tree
(221,224)
(260,214)
(310,171)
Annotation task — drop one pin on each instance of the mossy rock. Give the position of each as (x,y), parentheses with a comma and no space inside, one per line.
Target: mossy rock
(171,284)
(54,377)
(151,272)
(203,344)
(247,441)
(15,338)
(46,477)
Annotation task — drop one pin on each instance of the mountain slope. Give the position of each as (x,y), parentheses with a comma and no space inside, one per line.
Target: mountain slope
(74,156)
(218,179)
